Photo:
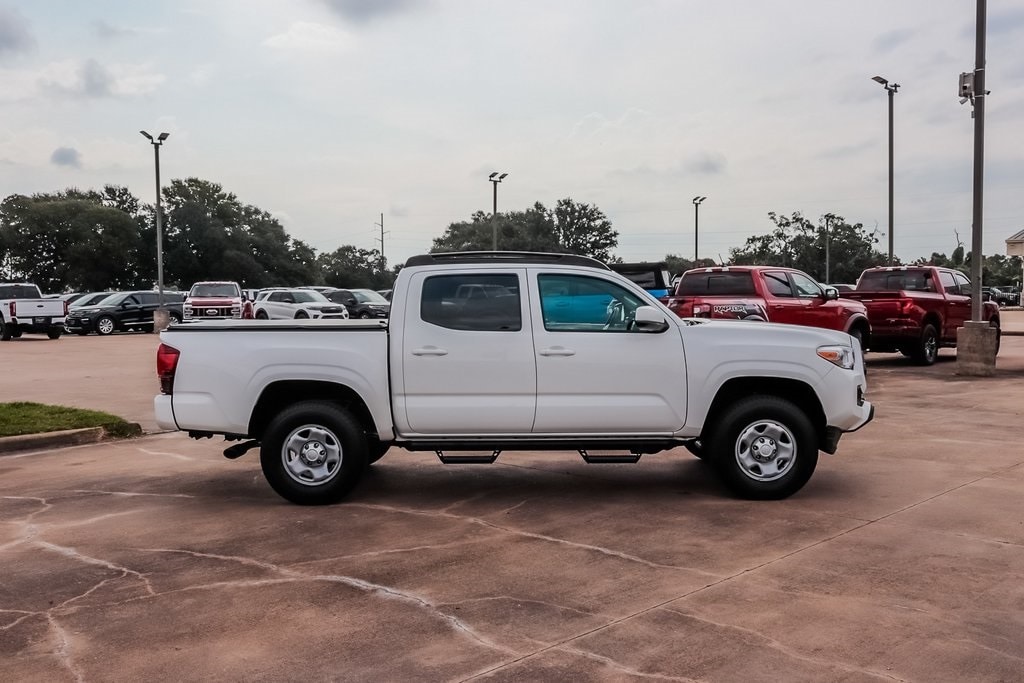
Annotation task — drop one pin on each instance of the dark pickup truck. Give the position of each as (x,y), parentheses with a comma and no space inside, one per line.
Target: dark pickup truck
(917,310)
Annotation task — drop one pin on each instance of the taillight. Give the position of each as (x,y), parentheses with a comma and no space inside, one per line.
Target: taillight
(906,306)
(14,308)
(166,364)
(66,307)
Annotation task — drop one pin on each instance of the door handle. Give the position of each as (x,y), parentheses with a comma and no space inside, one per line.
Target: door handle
(429,351)
(557,351)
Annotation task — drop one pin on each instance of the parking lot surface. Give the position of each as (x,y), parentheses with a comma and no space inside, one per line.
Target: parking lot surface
(157,559)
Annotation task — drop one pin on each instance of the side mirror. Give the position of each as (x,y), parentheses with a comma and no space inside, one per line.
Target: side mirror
(831,294)
(649,319)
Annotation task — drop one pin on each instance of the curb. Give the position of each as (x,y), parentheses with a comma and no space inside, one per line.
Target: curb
(61,439)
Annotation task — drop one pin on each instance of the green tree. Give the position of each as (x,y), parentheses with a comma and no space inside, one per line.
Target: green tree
(569,228)
(798,243)
(354,268)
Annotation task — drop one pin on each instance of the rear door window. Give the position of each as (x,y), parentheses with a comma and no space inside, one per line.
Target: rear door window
(477,302)
(778,284)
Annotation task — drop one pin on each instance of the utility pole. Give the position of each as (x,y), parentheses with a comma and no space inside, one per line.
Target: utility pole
(383,260)
(828,236)
(978,92)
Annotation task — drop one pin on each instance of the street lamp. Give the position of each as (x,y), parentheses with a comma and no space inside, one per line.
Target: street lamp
(891,88)
(161,318)
(696,225)
(495,178)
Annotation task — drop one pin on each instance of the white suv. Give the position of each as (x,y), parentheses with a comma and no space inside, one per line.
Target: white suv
(287,304)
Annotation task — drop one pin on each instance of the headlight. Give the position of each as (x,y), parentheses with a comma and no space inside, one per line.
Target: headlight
(837,355)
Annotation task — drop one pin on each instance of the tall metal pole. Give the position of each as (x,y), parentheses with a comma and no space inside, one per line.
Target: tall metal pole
(696,230)
(892,92)
(979,160)
(828,236)
(159,229)
(382,240)
(494,218)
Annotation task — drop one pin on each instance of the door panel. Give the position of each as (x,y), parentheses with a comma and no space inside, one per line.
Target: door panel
(783,306)
(468,363)
(594,373)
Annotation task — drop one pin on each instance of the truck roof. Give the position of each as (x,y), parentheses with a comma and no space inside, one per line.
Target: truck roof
(503,257)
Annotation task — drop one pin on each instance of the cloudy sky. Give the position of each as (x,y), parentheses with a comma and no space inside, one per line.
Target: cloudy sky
(330,112)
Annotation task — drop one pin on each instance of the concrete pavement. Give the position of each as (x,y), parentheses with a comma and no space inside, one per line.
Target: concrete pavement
(157,559)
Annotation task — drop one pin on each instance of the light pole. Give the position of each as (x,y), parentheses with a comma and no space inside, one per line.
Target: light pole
(697,201)
(383,260)
(163,315)
(890,88)
(495,178)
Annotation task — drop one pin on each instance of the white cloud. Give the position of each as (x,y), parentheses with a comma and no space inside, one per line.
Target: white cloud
(311,37)
(72,78)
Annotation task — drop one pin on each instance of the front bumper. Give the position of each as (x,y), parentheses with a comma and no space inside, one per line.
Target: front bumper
(79,325)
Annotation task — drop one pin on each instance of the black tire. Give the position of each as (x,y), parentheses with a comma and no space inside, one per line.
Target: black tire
(54,334)
(262,315)
(301,315)
(5,331)
(105,325)
(364,315)
(321,429)
(173,317)
(376,450)
(927,349)
(760,422)
(999,333)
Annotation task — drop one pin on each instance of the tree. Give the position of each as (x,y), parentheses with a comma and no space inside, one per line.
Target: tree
(352,268)
(798,243)
(568,228)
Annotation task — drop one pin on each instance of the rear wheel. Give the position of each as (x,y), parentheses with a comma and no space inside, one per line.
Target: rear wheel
(54,334)
(927,347)
(765,448)
(5,331)
(313,453)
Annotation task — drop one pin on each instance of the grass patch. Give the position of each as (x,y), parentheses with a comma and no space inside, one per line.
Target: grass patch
(36,418)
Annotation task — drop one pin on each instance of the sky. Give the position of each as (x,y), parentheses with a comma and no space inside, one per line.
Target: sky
(329,113)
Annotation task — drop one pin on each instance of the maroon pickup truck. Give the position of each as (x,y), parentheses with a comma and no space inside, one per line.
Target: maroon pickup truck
(768,293)
(916,310)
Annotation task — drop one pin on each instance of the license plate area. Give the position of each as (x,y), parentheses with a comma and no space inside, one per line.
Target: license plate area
(41,321)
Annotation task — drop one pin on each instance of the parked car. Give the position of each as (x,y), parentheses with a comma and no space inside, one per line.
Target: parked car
(386,293)
(23,309)
(917,310)
(213,300)
(286,304)
(361,303)
(767,293)
(1012,293)
(1001,296)
(843,288)
(123,311)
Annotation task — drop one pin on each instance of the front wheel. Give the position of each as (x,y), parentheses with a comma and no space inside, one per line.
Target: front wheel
(313,453)
(765,448)
(105,326)
(927,347)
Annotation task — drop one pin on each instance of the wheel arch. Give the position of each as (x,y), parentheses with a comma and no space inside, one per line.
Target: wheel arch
(800,393)
(278,395)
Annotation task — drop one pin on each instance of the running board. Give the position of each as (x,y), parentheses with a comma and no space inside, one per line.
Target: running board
(630,459)
(467,459)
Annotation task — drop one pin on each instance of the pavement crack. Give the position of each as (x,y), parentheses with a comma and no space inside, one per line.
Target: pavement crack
(74,554)
(290,575)
(784,649)
(177,456)
(541,537)
(132,493)
(512,598)
(63,649)
(608,661)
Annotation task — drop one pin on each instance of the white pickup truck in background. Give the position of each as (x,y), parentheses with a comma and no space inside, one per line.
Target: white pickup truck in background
(563,354)
(23,309)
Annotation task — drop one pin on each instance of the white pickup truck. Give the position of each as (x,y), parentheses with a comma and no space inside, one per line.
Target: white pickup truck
(568,355)
(23,309)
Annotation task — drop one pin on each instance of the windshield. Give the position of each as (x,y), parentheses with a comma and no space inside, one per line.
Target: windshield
(305,296)
(220,289)
(368,296)
(90,299)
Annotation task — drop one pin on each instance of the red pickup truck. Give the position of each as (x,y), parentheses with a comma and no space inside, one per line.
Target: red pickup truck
(916,310)
(768,293)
